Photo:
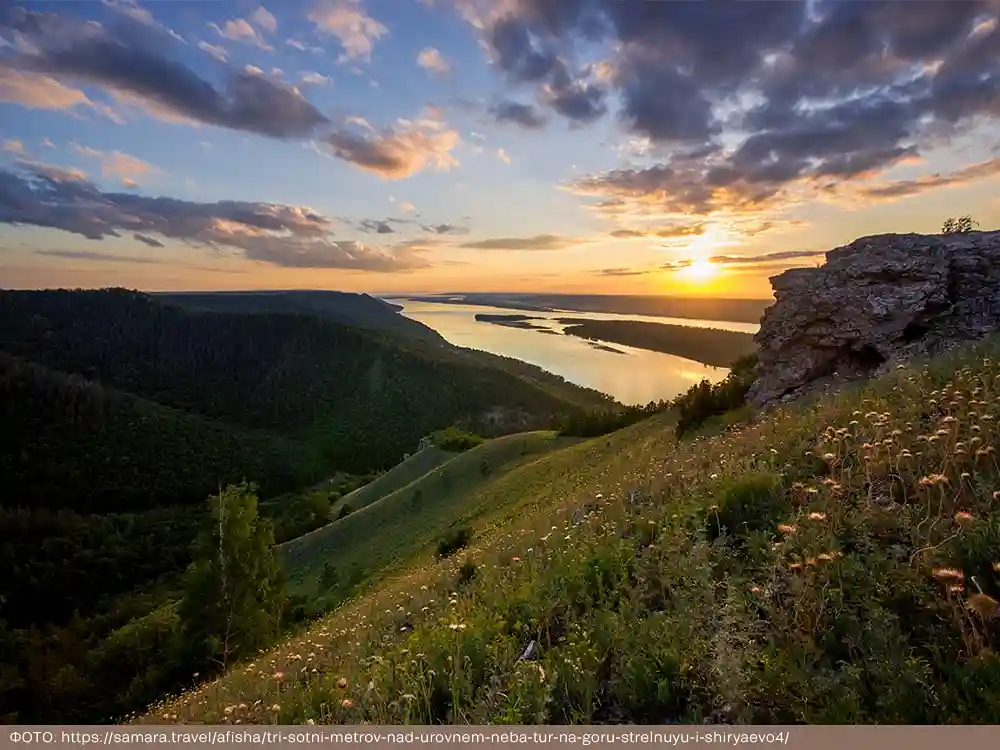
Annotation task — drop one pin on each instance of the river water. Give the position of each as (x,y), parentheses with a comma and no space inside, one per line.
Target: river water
(632,376)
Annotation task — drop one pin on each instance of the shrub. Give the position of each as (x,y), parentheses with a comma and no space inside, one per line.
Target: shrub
(961,225)
(345,510)
(454,439)
(596,422)
(466,573)
(748,504)
(704,400)
(453,541)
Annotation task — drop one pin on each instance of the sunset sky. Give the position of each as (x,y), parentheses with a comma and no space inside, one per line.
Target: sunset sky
(605,146)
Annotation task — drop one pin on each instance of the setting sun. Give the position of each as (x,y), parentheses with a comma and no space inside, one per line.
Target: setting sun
(700,270)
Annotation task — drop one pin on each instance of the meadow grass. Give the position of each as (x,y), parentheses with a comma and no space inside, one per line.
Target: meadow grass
(833,561)
(390,530)
(407,471)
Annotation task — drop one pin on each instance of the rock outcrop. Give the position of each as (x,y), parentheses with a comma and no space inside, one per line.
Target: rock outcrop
(875,302)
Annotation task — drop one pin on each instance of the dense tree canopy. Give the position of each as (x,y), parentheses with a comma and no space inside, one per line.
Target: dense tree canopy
(124,411)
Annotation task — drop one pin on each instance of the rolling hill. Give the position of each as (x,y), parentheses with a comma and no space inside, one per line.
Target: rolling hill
(828,562)
(347,398)
(390,529)
(124,411)
(360,310)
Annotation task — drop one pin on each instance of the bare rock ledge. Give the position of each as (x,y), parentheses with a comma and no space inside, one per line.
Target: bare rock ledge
(875,302)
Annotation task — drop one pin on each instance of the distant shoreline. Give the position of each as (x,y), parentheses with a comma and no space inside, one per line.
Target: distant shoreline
(723,310)
(710,346)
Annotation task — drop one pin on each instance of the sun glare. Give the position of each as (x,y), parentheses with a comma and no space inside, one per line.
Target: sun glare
(700,270)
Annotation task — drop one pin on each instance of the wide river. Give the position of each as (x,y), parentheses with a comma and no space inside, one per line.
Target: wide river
(633,376)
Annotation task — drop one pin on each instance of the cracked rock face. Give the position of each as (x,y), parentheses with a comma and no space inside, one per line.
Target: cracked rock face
(875,302)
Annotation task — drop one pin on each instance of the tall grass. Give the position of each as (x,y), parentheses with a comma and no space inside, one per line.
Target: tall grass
(833,562)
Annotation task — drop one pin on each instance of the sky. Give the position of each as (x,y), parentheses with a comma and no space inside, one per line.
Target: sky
(688,147)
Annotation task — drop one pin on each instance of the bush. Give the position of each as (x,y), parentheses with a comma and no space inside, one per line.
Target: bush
(466,573)
(961,225)
(454,439)
(747,505)
(453,541)
(598,422)
(345,510)
(704,400)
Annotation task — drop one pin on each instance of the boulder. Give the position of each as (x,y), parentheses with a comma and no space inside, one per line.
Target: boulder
(876,302)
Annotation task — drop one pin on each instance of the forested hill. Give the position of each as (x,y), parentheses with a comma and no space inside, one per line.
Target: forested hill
(284,397)
(122,413)
(360,310)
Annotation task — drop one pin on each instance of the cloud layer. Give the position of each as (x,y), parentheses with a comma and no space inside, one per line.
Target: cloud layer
(289,236)
(749,104)
(140,64)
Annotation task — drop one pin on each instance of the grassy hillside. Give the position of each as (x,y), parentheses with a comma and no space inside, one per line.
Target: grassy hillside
(122,414)
(408,470)
(836,561)
(333,560)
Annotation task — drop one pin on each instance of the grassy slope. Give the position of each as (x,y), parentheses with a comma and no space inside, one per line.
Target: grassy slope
(392,529)
(407,471)
(851,613)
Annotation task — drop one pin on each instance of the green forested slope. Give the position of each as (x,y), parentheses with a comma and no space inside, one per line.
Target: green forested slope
(121,414)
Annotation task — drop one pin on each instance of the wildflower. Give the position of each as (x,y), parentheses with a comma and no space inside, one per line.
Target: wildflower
(795,566)
(347,703)
(829,457)
(817,516)
(786,528)
(228,710)
(755,589)
(963,518)
(275,708)
(948,574)
(996,567)
(279,676)
(342,683)
(310,722)
(824,557)
(956,588)
(996,495)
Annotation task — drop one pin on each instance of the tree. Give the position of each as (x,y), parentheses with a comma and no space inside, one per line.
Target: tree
(232,600)
(961,225)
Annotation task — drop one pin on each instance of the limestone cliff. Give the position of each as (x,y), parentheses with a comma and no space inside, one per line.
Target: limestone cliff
(877,301)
